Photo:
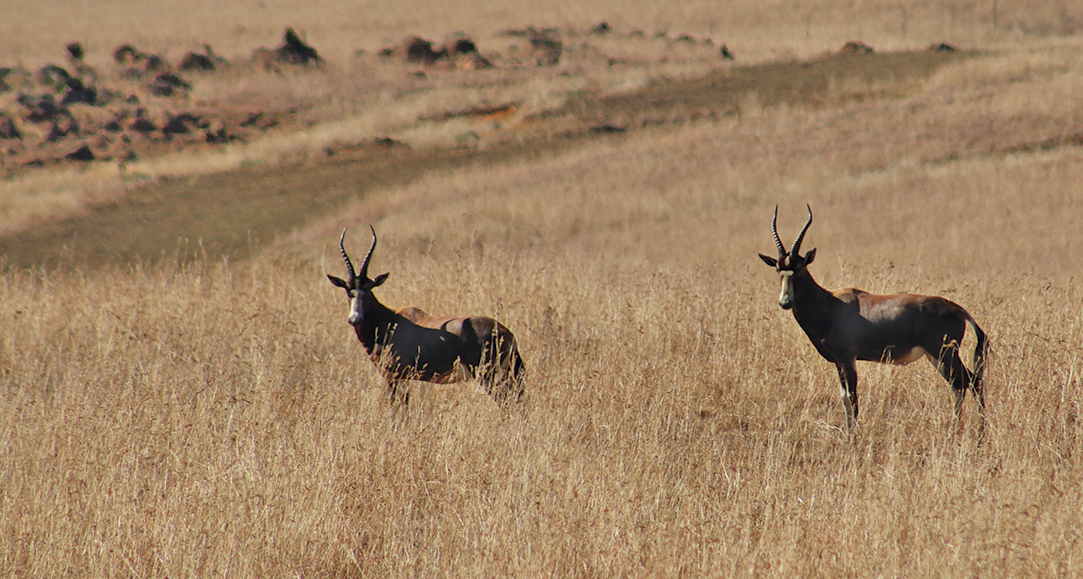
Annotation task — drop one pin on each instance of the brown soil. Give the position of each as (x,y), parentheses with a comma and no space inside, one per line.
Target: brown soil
(234,214)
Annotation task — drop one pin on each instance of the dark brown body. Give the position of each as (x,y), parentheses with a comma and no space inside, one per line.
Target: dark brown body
(847,325)
(408,344)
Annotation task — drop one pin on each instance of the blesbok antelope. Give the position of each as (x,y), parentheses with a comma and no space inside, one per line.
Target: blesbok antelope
(848,324)
(408,344)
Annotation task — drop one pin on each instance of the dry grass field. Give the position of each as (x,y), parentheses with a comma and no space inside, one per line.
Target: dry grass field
(181,396)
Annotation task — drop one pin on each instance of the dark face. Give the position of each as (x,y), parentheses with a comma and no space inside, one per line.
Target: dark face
(358,289)
(357,285)
(787,267)
(789,264)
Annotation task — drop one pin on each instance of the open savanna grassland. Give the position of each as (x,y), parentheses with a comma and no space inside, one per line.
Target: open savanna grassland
(191,402)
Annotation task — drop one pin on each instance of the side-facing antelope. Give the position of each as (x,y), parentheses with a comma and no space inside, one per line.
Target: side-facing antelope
(848,324)
(408,344)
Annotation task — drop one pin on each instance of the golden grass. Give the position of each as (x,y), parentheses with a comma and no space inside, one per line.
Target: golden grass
(214,419)
(202,418)
(220,419)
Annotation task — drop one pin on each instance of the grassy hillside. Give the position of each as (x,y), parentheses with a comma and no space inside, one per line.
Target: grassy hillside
(182,403)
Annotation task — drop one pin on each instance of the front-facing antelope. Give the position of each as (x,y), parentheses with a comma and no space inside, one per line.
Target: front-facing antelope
(408,344)
(849,324)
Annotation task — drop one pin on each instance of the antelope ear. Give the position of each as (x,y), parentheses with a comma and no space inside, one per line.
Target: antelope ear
(338,281)
(811,255)
(380,279)
(768,260)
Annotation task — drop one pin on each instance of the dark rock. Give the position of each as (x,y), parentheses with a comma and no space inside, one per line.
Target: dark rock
(943,47)
(295,51)
(183,124)
(197,62)
(414,49)
(168,84)
(75,50)
(600,28)
(8,130)
(856,47)
(81,154)
(39,109)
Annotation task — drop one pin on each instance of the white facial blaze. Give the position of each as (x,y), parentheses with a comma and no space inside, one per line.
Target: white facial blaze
(356,315)
(786,297)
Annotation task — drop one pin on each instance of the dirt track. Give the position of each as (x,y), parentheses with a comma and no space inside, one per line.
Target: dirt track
(234,214)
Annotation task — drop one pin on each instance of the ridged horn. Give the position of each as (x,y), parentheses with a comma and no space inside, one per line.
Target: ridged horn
(774,230)
(342,248)
(801,237)
(368,258)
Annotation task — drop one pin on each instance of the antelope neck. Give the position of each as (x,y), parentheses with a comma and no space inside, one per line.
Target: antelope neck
(374,326)
(807,297)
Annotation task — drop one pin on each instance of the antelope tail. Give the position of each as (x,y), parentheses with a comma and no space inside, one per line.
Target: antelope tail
(981,350)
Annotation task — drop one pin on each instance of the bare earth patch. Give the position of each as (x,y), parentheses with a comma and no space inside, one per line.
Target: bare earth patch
(234,213)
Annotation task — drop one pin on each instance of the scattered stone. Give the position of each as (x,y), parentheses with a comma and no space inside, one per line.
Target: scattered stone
(75,51)
(78,92)
(388,143)
(600,29)
(856,47)
(8,130)
(5,72)
(183,124)
(196,62)
(208,61)
(153,63)
(54,77)
(464,54)
(546,48)
(83,153)
(126,54)
(168,84)
(39,109)
(413,49)
(459,46)
(141,124)
(217,133)
(943,47)
(138,61)
(63,126)
(461,52)
(607,129)
(293,51)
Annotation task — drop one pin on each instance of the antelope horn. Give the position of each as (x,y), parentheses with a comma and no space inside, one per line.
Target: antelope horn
(365,265)
(774,230)
(342,248)
(801,237)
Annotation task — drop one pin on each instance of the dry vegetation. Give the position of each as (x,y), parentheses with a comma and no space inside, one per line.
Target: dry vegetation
(206,411)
